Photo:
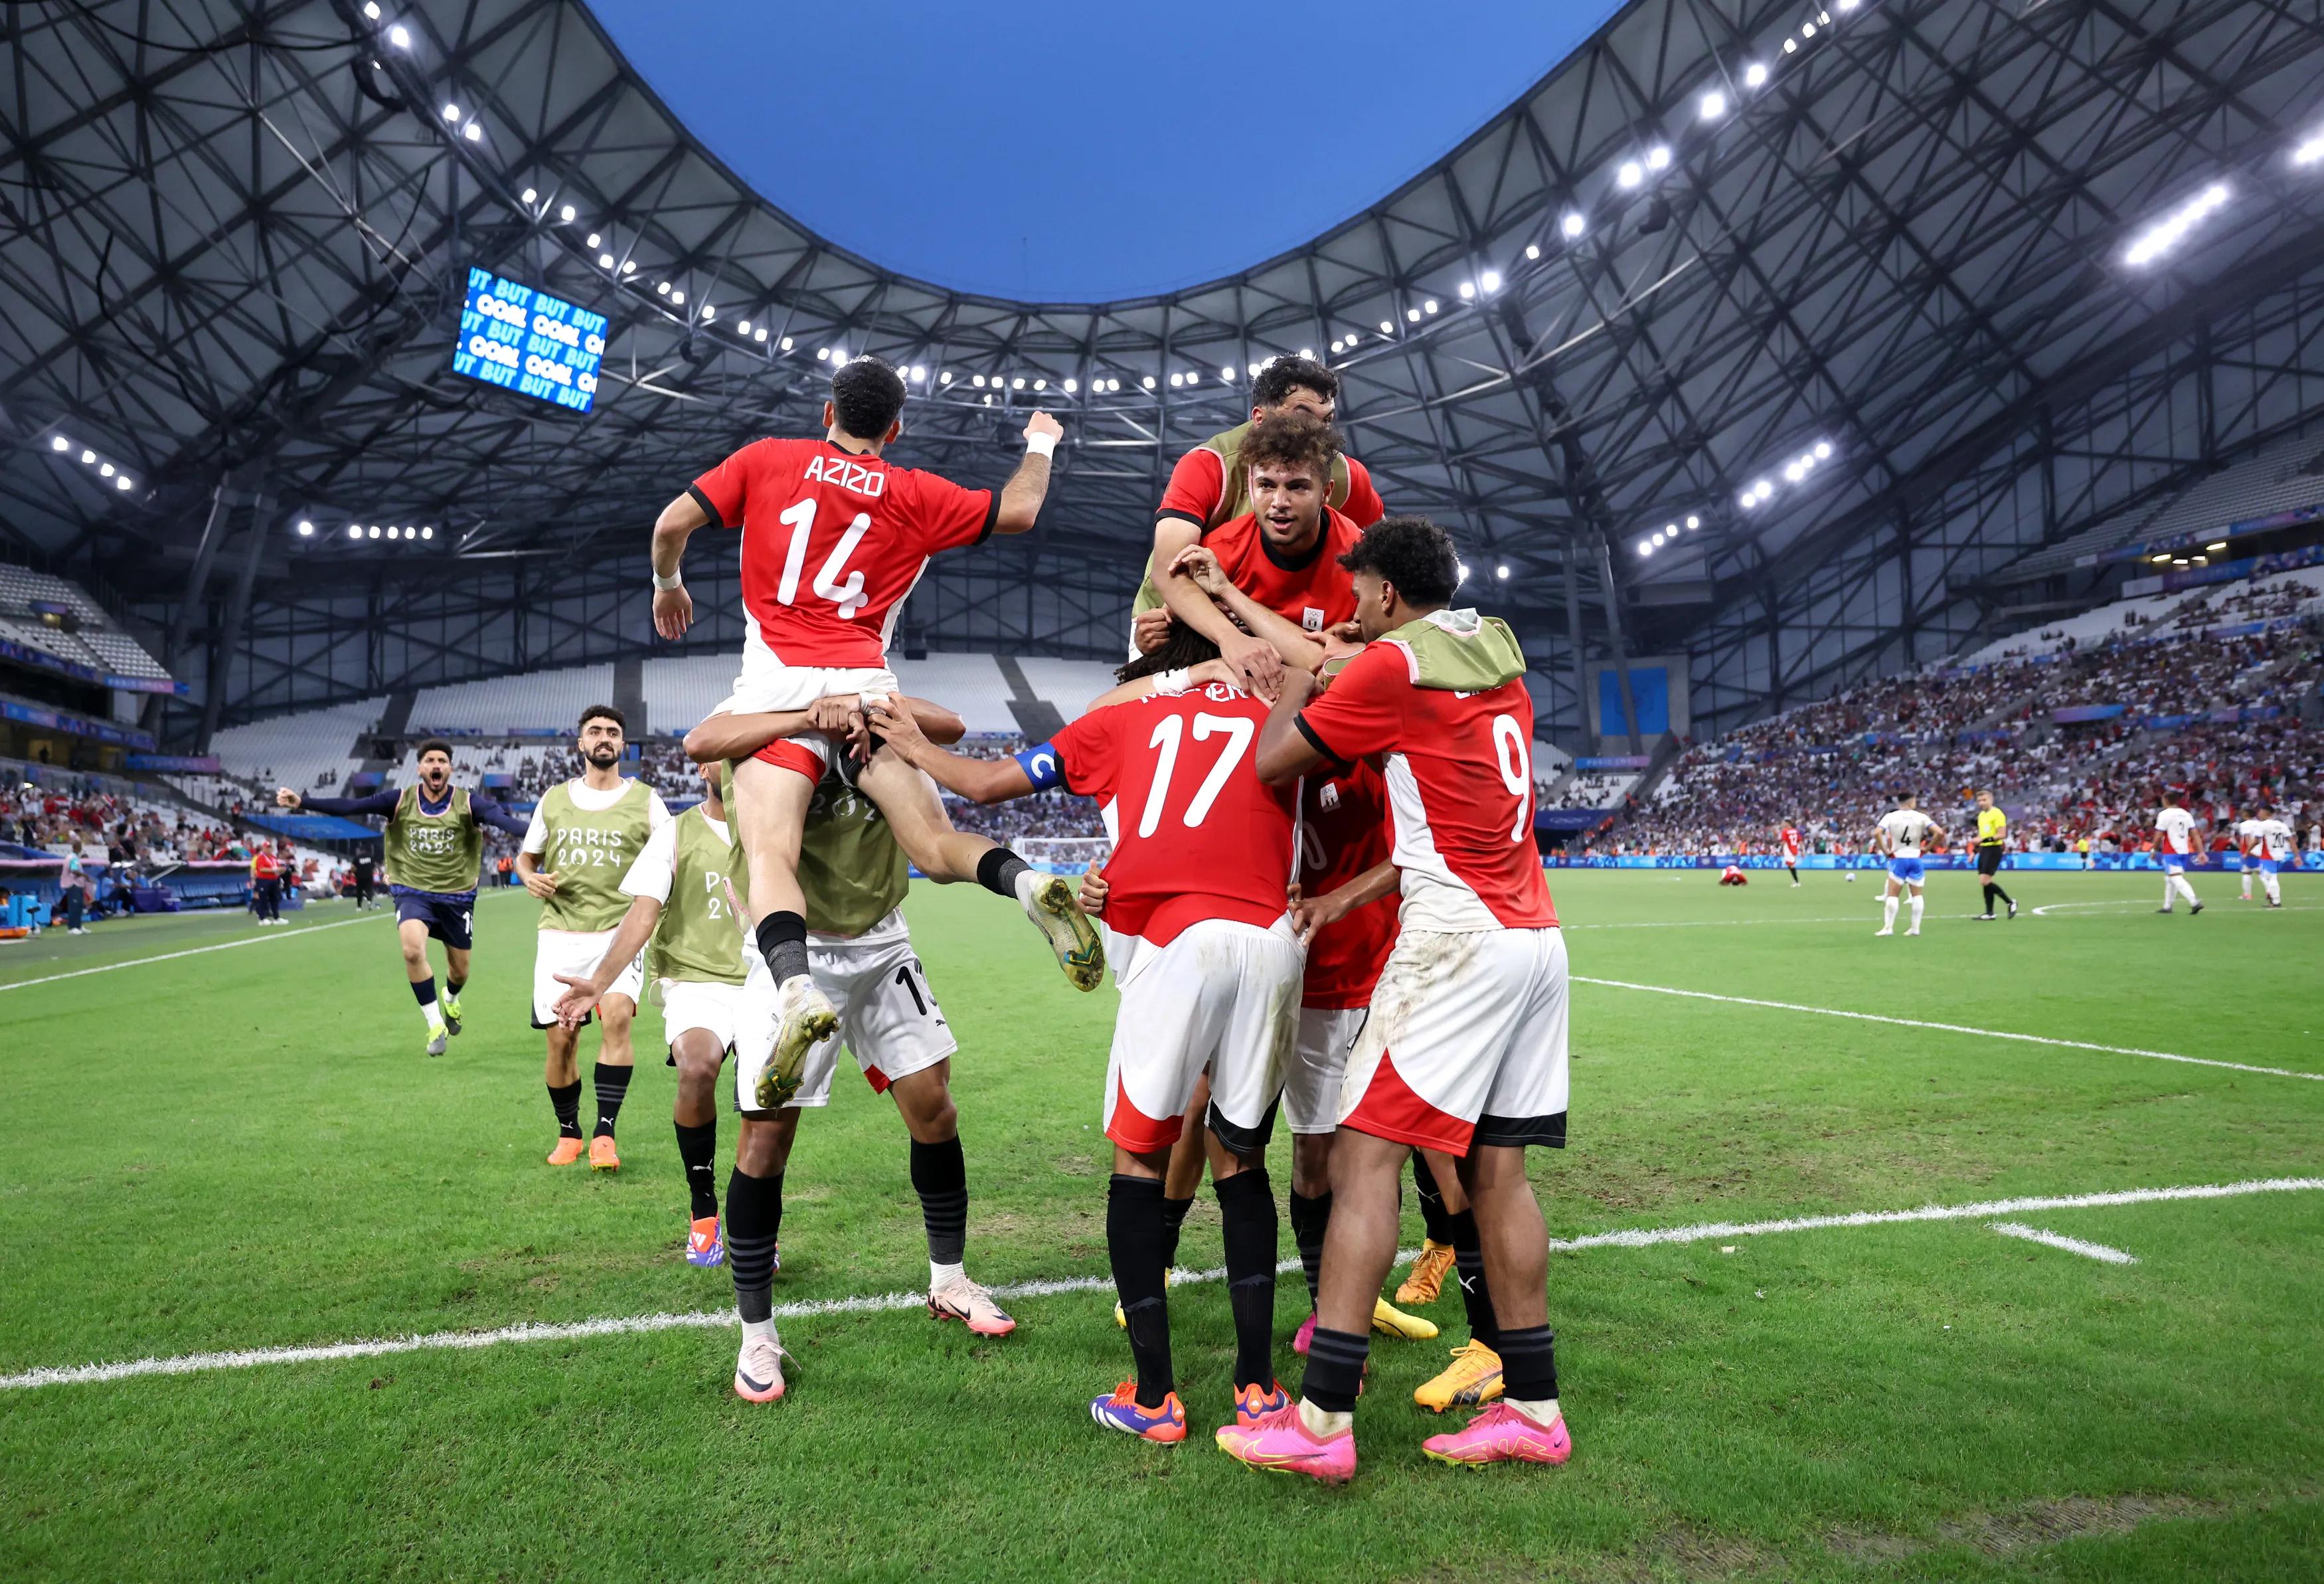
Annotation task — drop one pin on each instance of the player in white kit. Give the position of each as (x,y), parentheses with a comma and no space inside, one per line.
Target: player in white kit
(2246,831)
(1900,834)
(2271,844)
(2176,846)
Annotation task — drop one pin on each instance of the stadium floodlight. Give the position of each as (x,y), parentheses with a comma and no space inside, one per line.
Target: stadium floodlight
(1072,385)
(1630,174)
(531,194)
(451,112)
(2310,153)
(1533,250)
(1355,335)
(105,472)
(1194,376)
(595,239)
(2216,548)
(741,326)
(1502,570)
(1176,380)
(1150,381)
(1846,6)
(1571,225)
(122,482)
(1807,30)
(1226,377)
(604,261)
(1755,75)
(1713,105)
(394,532)
(1693,522)
(473,132)
(1644,547)
(662,287)
(400,36)
(823,355)
(787,347)
(1468,292)
(1309,352)
(920,375)
(88,456)
(1412,314)
(567,214)
(1658,158)
(1388,328)
(679,298)
(1824,450)
(1430,306)
(60,444)
(374,532)
(306,529)
(1041,384)
(1337,345)
(944,376)
(629,266)
(371,9)
(2171,229)
(1670,530)
(1490,280)
(1017,384)
(1791,46)
(709,313)
(2161,560)
(428,532)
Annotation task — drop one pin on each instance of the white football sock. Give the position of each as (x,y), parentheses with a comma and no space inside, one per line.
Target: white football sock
(765,1327)
(1025,882)
(1542,1411)
(2185,890)
(2247,874)
(427,1009)
(939,1275)
(2274,890)
(2170,893)
(1319,1423)
(1888,913)
(1918,903)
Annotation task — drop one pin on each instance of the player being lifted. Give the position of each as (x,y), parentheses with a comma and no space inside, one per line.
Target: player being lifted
(1212,492)
(834,539)
(2177,846)
(584,835)
(1208,965)
(1901,833)
(433,847)
(2271,844)
(1992,846)
(1465,1049)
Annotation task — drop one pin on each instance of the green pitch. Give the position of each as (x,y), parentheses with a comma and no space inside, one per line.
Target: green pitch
(245,1149)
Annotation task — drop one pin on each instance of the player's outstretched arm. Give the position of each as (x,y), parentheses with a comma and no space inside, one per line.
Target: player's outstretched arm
(1020,505)
(1254,659)
(487,811)
(379,803)
(1295,644)
(673,607)
(1285,754)
(583,991)
(738,737)
(981,780)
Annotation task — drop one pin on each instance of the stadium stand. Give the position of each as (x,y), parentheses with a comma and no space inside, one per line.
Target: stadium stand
(57,617)
(313,750)
(531,702)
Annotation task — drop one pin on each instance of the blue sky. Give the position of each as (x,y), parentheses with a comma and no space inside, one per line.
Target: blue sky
(1081,153)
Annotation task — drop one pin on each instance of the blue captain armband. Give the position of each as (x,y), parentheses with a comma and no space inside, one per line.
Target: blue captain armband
(1041,767)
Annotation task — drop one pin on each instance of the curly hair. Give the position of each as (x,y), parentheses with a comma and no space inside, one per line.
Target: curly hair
(867,394)
(1292,440)
(1284,376)
(1412,553)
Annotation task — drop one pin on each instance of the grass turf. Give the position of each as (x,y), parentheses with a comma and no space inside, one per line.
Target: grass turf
(244,1148)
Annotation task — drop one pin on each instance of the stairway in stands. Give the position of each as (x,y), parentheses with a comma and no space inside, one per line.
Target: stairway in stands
(629,695)
(1036,718)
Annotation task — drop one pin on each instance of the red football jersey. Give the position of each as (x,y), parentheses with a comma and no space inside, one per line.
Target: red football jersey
(831,542)
(1790,841)
(1196,834)
(1343,830)
(1459,768)
(1199,480)
(1313,592)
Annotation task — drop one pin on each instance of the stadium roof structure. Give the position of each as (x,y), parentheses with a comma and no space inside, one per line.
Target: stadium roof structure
(1991,269)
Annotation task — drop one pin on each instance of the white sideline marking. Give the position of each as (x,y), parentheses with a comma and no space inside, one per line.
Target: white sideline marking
(1954,1028)
(718,1318)
(106,967)
(2097,1251)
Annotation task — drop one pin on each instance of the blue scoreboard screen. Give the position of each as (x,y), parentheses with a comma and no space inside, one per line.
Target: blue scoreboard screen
(526,342)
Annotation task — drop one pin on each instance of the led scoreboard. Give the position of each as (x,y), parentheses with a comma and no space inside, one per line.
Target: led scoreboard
(530,342)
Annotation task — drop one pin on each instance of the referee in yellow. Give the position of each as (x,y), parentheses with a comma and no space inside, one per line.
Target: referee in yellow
(1992,841)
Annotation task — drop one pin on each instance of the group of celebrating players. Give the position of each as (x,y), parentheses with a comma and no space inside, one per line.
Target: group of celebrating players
(1323,899)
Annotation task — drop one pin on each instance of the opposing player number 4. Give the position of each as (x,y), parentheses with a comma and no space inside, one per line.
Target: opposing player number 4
(1167,732)
(1516,768)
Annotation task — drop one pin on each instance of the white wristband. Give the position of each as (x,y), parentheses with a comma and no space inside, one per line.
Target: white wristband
(1171,683)
(1040,445)
(674,580)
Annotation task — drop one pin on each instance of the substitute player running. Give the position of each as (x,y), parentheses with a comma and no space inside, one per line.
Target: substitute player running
(834,538)
(584,835)
(1211,486)
(1465,1050)
(1208,963)
(1992,844)
(433,844)
(1901,835)
(2176,846)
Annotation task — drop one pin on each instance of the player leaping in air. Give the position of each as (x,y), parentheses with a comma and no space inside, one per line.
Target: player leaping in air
(834,538)
(1901,833)
(433,844)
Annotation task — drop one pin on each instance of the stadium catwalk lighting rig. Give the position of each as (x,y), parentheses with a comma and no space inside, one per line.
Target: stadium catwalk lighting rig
(2167,232)
(112,473)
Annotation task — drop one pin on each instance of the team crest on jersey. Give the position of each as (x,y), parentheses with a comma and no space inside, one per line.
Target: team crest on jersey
(1311,618)
(848,475)
(1329,798)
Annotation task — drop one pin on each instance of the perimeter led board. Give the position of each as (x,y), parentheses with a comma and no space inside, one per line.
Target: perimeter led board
(526,342)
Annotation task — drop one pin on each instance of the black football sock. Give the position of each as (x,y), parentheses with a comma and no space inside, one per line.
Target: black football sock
(1998,892)
(783,941)
(564,1099)
(1247,1218)
(453,986)
(1528,1363)
(1174,1219)
(1309,1217)
(610,1083)
(997,871)
(1335,1369)
(1468,1260)
(697,1147)
(1989,889)
(1133,1242)
(940,1177)
(423,990)
(1433,1217)
(754,1214)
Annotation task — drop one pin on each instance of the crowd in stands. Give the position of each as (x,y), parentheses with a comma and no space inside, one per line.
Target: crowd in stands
(81,817)
(1835,766)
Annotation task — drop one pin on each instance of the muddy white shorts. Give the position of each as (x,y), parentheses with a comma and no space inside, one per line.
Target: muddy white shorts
(1465,1043)
(767,685)
(687,1004)
(888,1018)
(575,952)
(1223,995)
(1319,1064)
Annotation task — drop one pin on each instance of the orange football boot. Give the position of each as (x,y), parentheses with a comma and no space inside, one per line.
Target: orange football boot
(567,1151)
(603,1156)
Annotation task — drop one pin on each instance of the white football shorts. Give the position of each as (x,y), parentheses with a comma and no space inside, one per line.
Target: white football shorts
(1319,1064)
(767,685)
(888,1018)
(687,1004)
(1466,1043)
(1223,995)
(575,952)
